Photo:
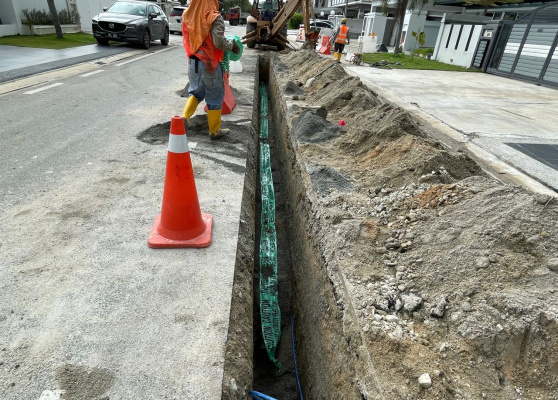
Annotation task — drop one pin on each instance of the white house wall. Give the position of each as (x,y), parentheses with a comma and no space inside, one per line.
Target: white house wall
(39,5)
(11,13)
(379,25)
(431,29)
(413,22)
(462,56)
(10,22)
(7,12)
(88,9)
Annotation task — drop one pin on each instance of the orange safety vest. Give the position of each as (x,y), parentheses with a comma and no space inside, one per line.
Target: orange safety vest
(342,35)
(210,55)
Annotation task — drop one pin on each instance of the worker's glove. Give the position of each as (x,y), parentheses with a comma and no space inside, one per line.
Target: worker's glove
(235,49)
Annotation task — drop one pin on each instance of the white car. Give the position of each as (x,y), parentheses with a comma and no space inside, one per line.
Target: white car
(319,24)
(175,20)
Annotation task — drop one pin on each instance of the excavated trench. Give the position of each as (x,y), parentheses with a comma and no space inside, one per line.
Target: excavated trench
(398,258)
(306,299)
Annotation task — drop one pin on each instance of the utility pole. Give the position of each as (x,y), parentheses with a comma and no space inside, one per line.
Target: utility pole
(346,5)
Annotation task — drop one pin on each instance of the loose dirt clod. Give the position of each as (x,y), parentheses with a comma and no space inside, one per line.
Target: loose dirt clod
(438,270)
(312,128)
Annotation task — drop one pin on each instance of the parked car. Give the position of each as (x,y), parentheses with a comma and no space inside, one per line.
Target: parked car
(319,24)
(175,24)
(131,21)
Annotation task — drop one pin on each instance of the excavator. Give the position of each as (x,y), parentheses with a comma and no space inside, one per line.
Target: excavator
(267,23)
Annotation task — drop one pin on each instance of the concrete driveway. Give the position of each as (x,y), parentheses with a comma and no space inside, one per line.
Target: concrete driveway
(498,118)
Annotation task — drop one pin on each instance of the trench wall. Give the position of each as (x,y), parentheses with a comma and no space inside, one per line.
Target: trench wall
(329,349)
(326,361)
(239,352)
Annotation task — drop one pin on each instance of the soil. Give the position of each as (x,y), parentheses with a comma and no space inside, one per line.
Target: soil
(448,272)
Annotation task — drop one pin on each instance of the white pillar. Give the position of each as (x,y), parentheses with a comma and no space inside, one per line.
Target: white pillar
(439,40)
(414,22)
(378,26)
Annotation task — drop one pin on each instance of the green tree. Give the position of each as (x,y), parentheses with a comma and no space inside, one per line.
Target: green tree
(295,21)
(401,8)
(419,39)
(55,20)
(490,3)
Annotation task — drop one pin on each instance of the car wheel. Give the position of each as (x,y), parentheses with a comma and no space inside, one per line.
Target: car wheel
(102,42)
(146,39)
(250,28)
(234,22)
(165,39)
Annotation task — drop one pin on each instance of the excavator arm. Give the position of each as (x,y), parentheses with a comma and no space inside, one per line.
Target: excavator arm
(271,32)
(284,14)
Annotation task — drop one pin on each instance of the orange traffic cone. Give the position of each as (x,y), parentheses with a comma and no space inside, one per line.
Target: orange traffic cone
(229,103)
(325,48)
(181,223)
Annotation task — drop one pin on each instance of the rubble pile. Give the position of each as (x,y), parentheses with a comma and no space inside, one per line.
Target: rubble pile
(450,274)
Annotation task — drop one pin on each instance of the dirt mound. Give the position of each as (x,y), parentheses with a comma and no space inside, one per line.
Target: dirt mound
(325,179)
(450,273)
(377,125)
(310,127)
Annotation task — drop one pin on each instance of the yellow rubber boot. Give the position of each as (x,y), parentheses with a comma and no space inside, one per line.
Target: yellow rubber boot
(335,55)
(214,122)
(190,108)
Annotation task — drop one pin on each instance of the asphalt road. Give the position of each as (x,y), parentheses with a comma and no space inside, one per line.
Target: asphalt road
(71,122)
(86,308)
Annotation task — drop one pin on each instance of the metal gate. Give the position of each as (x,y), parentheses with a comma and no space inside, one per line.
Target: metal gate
(526,49)
(480,53)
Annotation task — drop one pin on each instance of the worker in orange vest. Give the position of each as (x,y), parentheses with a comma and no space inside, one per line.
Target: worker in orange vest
(203,31)
(341,36)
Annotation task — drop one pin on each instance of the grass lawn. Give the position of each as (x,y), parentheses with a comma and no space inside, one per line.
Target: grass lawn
(416,63)
(49,41)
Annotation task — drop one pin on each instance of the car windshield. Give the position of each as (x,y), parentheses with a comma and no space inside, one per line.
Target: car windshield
(123,7)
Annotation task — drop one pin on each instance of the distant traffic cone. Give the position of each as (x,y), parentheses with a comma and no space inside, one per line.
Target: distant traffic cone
(229,103)
(301,35)
(181,223)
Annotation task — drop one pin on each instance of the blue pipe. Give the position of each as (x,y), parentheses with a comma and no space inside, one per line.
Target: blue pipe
(260,396)
(294,357)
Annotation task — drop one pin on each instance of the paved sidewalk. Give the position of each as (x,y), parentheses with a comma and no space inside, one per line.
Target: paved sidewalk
(500,120)
(87,310)
(18,62)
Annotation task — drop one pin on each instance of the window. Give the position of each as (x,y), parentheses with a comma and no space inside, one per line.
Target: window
(177,12)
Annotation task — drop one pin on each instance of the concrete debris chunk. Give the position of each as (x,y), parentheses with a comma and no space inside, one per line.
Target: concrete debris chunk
(391,318)
(542,199)
(553,264)
(424,381)
(439,308)
(411,302)
(483,262)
